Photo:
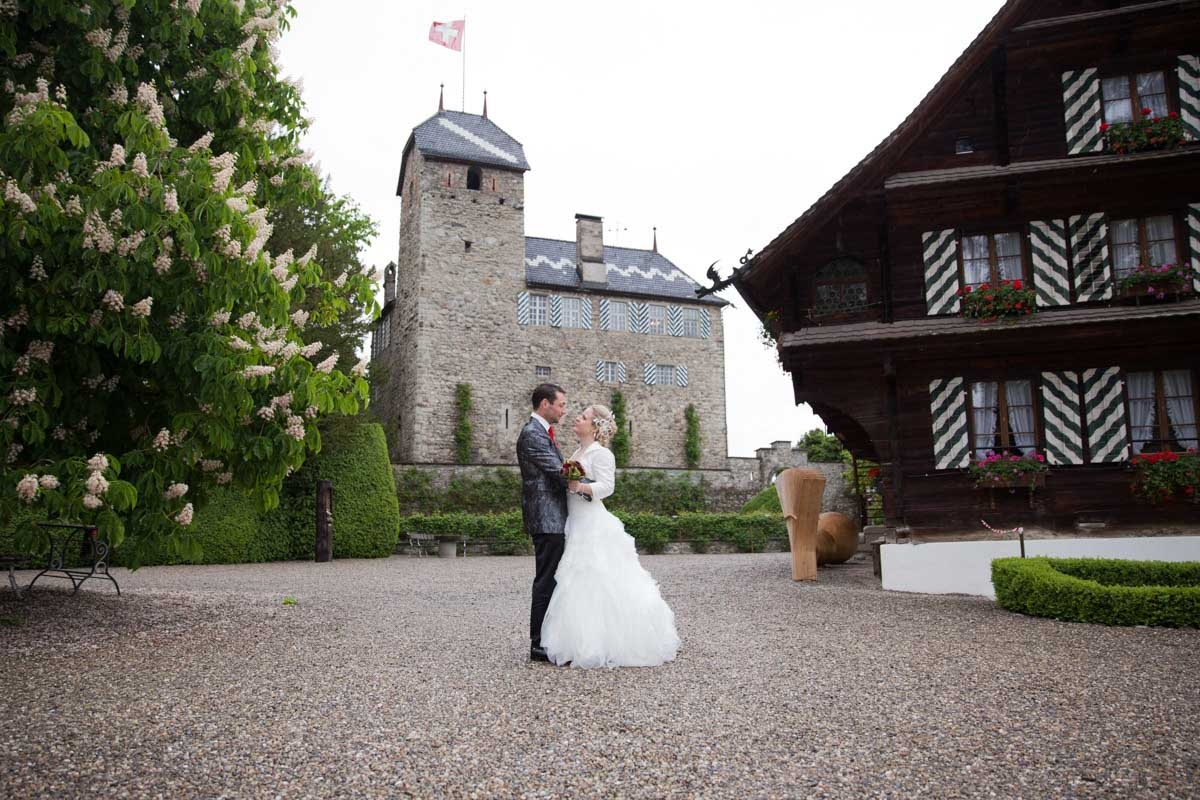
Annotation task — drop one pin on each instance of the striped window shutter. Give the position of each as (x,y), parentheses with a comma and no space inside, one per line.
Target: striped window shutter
(681,375)
(638,318)
(705,324)
(555,311)
(648,373)
(1193,237)
(1104,407)
(523,308)
(674,321)
(1089,251)
(1081,108)
(948,405)
(585,313)
(600,370)
(604,314)
(620,372)
(1189,95)
(940,251)
(1051,274)
(1063,420)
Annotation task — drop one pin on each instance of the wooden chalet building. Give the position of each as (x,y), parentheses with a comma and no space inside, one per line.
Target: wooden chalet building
(1002,172)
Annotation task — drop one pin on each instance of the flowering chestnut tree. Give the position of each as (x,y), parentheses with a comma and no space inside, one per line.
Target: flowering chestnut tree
(150,346)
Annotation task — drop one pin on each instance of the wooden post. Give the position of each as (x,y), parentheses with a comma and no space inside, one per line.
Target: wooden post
(800,492)
(324,520)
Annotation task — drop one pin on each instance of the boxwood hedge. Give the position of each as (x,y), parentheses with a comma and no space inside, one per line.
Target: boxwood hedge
(1104,591)
(503,534)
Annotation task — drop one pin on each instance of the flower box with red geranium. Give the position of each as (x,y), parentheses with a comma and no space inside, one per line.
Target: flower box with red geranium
(1166,476)
(1009,471)
(1005,300)
(1148,282)
(1148,132)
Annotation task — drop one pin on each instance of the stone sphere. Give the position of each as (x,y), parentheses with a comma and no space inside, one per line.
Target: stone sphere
(837,538)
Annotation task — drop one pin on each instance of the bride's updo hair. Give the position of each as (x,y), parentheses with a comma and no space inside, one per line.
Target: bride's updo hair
(603,423)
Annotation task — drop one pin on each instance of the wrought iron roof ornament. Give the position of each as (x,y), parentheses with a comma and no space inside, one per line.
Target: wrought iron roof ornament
(717,283)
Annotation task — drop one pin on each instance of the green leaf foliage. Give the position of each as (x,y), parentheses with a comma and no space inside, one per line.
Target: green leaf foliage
(620,440)
(232,530)
(153,321)
(822,447)
(462,427)
(691,447)
(503,534)
(1103,591)
(766,501)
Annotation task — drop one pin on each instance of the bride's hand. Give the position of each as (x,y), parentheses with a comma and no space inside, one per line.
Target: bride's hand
(573,486)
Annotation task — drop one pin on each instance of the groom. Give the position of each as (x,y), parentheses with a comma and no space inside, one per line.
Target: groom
(543,501)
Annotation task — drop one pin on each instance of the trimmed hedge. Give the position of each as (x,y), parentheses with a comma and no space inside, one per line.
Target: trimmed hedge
(230,529)
(1104,591)
(503,534)
(766,501)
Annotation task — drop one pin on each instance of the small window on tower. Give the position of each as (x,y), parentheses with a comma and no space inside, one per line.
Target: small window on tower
(474,178)
(466,246)
(541,373)
(963,145)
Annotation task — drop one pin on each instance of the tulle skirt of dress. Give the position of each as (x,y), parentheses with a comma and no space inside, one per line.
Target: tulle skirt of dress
(606,610)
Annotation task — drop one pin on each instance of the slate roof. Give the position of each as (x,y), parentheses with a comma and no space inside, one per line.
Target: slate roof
(551,263)
(928,327)
(470,138)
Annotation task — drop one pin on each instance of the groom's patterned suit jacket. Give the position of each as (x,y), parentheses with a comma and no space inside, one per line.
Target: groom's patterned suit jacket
(543,487)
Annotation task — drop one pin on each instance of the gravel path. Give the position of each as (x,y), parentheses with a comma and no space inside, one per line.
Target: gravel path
(407,677)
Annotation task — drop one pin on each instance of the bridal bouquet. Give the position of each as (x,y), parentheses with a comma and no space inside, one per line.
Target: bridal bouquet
(573,471)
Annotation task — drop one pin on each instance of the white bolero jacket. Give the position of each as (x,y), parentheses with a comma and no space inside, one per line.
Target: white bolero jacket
(600,466)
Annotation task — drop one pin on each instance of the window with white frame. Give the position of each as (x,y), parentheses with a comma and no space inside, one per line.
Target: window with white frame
(618,315)
(656,319)
(541,373)
(691,322)
(664,374)
(611,372)
(538,309)
(572,313)
(1148,241)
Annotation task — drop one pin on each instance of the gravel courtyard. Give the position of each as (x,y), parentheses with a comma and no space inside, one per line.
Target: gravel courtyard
(408,677)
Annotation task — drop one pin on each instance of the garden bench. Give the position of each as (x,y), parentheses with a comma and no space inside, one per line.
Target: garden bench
(93,551)
(13,563)
(418,542)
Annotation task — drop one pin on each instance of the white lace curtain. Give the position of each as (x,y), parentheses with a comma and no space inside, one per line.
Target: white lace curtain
(985,410)
(1019,395)
(1141,408)
(1181,406)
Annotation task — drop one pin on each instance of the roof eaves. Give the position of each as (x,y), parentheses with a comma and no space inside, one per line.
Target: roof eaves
(908,129)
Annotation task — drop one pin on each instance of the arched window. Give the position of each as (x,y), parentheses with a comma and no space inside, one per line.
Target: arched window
(840,287)
(474,178)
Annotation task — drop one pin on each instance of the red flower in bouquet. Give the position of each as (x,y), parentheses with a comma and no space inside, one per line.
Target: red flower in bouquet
(573,471)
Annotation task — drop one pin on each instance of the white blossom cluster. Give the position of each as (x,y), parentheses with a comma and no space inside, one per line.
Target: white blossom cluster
(175,491)
(142,307)
(95,484)
(37,270)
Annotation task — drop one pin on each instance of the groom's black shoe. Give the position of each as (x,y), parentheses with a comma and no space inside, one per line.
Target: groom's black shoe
(538,654)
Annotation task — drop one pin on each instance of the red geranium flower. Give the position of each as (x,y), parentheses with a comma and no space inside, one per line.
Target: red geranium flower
(1016,284)
(1173,115)
(1103,127)
(1147,112)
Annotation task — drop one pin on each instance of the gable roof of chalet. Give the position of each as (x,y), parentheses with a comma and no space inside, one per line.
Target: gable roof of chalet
(551,263)
(873,168)
(467,138)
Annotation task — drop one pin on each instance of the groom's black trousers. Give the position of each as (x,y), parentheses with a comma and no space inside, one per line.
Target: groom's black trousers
(547,550)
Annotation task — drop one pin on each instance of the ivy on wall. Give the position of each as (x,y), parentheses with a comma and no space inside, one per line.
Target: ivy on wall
(691,446)
(620,440)
(462,429)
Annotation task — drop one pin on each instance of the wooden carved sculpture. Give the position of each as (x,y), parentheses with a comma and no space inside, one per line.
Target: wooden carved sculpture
(837,538)
(800,492)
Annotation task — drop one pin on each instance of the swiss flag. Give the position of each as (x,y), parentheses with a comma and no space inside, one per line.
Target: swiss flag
(448,34)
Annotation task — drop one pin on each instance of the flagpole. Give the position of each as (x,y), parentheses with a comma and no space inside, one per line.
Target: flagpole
(464,64)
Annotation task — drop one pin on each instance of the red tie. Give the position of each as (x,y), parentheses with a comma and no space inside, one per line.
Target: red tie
(551,429)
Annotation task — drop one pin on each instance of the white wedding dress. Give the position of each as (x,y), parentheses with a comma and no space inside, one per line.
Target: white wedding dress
(606,610)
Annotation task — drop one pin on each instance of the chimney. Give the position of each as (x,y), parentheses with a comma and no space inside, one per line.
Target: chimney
(589,250)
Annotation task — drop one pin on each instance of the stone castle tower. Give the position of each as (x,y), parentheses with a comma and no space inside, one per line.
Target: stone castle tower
(473,300)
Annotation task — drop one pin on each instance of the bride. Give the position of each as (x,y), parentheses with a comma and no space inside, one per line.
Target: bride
(606,610)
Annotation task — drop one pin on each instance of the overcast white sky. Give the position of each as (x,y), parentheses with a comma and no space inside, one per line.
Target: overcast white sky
(719,126)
